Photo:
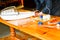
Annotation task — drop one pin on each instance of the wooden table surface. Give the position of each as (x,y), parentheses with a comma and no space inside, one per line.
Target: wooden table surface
(31,27)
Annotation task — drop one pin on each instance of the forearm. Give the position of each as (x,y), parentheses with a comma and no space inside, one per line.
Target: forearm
(48,6)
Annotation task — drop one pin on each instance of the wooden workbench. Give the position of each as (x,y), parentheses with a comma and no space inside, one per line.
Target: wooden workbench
(32,28)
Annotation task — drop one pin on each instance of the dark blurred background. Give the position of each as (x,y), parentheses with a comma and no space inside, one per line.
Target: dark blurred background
(30,4)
